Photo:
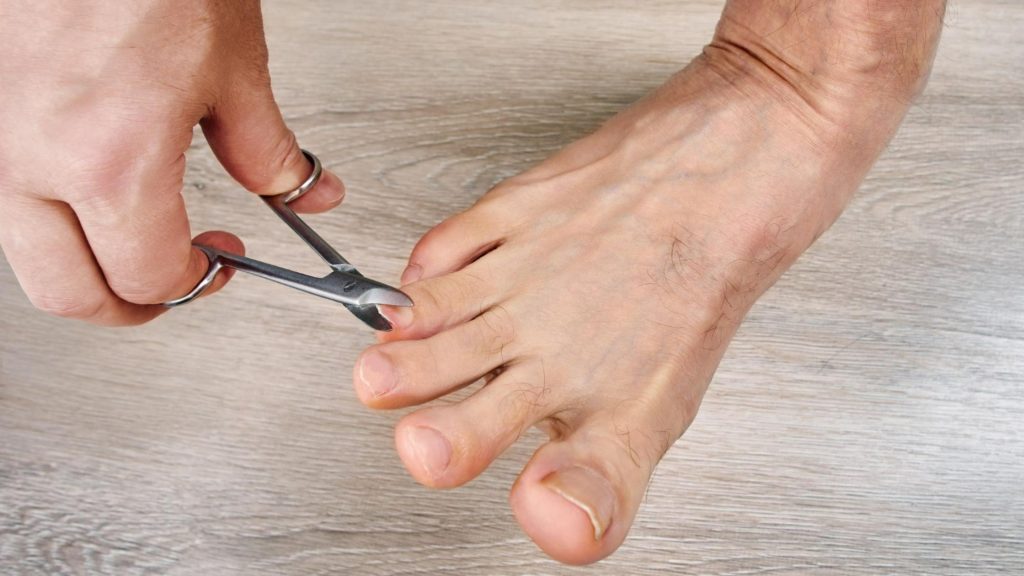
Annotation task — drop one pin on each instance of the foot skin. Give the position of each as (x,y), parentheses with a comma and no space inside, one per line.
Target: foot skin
(596,293)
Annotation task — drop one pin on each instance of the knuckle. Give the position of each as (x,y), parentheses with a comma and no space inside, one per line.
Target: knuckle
(440,240)
(76,308)
(138,291)
(496,329)
(520,404)
(273,158)
(464,291)
(285,153)
(106,169)
(427,298)
(495,207)
(433,240)
(642,435)
(448,291)
(137,283)
(503,188)
(283,156)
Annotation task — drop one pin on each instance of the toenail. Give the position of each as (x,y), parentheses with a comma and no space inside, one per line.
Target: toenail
(432,449)
(399,316)
(588,491)
(377,374)
(412,273)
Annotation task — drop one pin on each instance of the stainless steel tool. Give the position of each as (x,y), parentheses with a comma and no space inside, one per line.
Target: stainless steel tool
(344,284)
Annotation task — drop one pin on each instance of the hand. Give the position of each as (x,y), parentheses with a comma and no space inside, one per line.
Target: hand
(98,106)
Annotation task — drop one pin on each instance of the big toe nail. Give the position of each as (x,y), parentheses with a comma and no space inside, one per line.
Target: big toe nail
(433,450)
(588,491)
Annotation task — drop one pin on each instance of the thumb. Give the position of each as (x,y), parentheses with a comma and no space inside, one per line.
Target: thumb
(249,137)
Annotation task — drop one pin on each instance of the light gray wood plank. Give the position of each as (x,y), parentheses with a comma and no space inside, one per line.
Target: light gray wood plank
(867,420)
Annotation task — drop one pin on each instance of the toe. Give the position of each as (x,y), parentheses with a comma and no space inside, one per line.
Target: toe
(454,243)
(577,497)
(408,372)
(446,446)
(442,302)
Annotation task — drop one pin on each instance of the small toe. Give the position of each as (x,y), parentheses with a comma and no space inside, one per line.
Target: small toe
(453,244)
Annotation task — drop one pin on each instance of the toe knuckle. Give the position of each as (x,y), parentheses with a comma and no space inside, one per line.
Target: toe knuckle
(497,329)
(428,299)
(435,237)
(520,405)
(495,210)
(462,290)
(441,240)
(641,442)
(503,188)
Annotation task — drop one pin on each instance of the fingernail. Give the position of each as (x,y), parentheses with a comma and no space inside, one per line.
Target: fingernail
(377,374)
(588,491)
(399,316)
(432,450)
(412,273)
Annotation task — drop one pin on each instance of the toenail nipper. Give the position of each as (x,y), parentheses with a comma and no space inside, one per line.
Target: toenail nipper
(344,284)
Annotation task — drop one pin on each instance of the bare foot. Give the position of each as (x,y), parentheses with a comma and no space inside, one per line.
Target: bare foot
(596,294)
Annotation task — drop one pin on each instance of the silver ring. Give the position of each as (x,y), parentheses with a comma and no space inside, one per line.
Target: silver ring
(309,184)
(211,274)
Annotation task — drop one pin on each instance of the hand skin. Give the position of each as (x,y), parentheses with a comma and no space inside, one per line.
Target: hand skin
(596,293)
(98,105)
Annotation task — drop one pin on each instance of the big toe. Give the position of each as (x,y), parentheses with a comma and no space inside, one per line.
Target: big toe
(577,497)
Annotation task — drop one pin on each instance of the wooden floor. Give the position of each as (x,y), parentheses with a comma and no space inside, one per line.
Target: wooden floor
(869,418)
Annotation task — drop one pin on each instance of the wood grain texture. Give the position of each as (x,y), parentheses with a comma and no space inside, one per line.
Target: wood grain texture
(869,418)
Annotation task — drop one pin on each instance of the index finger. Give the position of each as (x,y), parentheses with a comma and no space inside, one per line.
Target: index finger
(138,230)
